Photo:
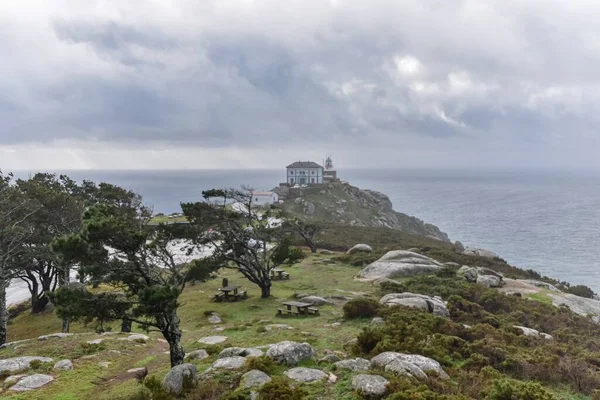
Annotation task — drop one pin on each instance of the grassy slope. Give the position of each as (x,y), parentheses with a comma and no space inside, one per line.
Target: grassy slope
(88,379)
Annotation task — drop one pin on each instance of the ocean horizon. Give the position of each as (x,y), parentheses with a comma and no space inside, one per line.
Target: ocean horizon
(546,220)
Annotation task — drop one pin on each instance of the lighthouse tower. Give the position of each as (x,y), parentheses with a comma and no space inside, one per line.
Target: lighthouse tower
(329,174)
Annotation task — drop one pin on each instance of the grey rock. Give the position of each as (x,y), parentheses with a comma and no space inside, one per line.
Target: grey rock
(104,364)
(360,248)
(64,365)
(330,358)
(290,353)
(137,337)
(20,363)
(254,379)
(489,281)
(196,355)
(470,251)
(309,208)
(458,246)
(305,375)
(32,382)
(241,352)
(278,326)
(533,332)
(215,319)
(357,364)
(425,364)
(399,263)
(401,367)
(541,284)
(370,386)
(315,300)
(95,341)
(136,370)
(14,378)
(230,363)
(451,264)
(577,304)
(213,339)
(377,321)
(15,343)
(55,335)
(434,305)
(176,377)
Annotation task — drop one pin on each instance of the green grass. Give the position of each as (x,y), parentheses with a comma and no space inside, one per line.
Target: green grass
(163,219)
(541,296)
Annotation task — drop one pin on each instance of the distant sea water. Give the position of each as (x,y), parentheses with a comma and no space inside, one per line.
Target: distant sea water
(546,221)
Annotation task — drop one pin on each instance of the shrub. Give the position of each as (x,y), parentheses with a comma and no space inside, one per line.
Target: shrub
(295,256)
(208,390)
(510,389)
(263,363)
(361,308)
(582,291)
(280,389)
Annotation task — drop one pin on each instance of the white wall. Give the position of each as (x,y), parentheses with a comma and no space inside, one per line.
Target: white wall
(310,175)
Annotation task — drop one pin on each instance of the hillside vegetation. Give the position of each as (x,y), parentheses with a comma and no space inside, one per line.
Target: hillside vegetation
(342,203)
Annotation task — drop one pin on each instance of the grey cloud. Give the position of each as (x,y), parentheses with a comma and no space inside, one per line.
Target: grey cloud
(502,73)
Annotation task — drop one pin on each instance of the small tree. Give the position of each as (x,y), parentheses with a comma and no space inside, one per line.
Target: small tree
(117,244)
(307,231)
(241,238)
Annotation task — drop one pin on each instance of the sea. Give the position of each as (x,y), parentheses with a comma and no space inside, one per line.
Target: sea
(547,220)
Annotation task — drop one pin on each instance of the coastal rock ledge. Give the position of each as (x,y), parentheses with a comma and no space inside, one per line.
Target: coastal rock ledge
(399,263)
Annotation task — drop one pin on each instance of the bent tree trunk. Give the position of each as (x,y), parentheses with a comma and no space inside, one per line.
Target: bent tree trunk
(173,336)
(265,290)
(3,310)
(126,325)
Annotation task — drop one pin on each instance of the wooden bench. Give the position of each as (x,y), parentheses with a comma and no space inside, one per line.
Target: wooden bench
(285,275)
(241,295)
(219,297)
(312,310)
(281,311)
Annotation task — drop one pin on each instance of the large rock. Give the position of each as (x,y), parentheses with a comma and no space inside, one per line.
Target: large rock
(434,305)
(315,300)
(215,319)
(213,339)
(489,281)
(470,251)
(459,247)
(305,375)
(196,355)
(54,335)
(137,337)
(290,353)
(399,263)
(177,376)
(270,327)
(64,365)
(240,352)
(370,386)
(32,382)
(357,364)
(360,248)
(20,363)
(230,363)
(254,379)
(533,332)
(422,363)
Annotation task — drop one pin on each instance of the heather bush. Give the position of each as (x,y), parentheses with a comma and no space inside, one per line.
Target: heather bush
(361,308)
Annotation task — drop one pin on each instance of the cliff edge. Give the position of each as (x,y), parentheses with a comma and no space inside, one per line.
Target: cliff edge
(343,203)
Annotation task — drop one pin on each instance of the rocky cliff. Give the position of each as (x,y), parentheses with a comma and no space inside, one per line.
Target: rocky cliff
(346,204)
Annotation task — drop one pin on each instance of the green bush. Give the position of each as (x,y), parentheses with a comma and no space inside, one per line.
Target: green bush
(280,389)
(263,363)
(361,308)
(510,389)
(581,290)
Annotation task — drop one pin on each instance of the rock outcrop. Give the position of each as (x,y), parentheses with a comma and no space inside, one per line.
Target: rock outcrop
(213,339)
(434,305)
(315,300)
(178,375)
(290,353)
(408,364)
(533,332)
(482,276)
(20,363)
(196,355)
(254,379)
(399,263)
(32,382)
(230,363)
(305,375)
(240,352)
(360,248)
(64,365)
(470,251)
(370,386)
(342,203)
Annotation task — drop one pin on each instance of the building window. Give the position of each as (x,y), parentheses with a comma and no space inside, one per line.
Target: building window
(256,199)
(312,180)
(312,172)
(291,172)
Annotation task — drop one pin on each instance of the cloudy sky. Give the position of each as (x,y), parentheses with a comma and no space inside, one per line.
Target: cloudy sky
(248,83)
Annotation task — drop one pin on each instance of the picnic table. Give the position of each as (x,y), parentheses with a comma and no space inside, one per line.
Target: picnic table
(301,308)
(230,293)
(277,273)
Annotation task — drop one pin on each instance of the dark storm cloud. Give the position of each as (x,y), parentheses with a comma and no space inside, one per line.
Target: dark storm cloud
(345,73)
